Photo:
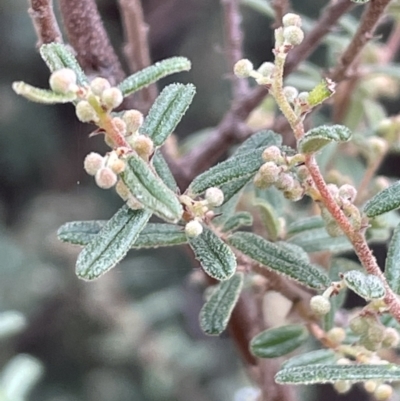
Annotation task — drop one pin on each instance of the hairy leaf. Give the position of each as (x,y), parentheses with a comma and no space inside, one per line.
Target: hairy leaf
(41,95)
(384,201)
(314,374)
(216,258)
(280,259)
(318,357)
(305,224)
(152,74)
(58,56)
(259,140)
(234,187)
(324,90)
(167,111)
(269,218)
(216,312)
(392,267)
(163,171)
(238,220)
(112,243)
(366,286)
(278,341)
(317,138)
(150,191)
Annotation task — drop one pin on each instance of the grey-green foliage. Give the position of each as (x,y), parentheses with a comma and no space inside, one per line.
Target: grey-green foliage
(317,357)
(366,286)
(384,201)
(238,220)
(392,267)
(163,171)
(39,95)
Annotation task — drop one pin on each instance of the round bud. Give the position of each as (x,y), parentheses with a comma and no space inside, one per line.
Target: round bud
(243,68)
(93,163)
(143,145)
(370,386)
(118,166)
(85,112)
(291,19)
(358,325)
(302,97)
(320,305)
(193,228)
(293,35)
(122,190)
(333,189)
(343,361)
(290,93)
(390,338)
(105,178)
(296,193)
(347,192)
(120,125)
(375,332)
(272,154)
(342,386)
(302,173)
(133,120)
(214,197)
(99,85)
(380,183)
(378,146)
(63,81)
(266,69)
(269,172)
(112,98)
(336,334)
(383,392)
(285,182)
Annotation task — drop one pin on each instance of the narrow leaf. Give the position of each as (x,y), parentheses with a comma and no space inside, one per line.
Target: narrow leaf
(317,138)
(216,258)
(384,201)
(112,243)
(392,267)
(167,111)
(305,224)
(366,286)
(318,357)
(238,220)
(57,56)
(259,140)
(269,218)
(41,95)
(278,341)
(280,259)
(314,374)
(80,232)
(233,188)
(152,74)
(150,191)
(216,312)
(163,171)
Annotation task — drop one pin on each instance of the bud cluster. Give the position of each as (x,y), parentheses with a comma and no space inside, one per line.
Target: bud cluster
(290,34)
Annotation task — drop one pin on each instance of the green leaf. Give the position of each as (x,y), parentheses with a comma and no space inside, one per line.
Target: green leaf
(163,171)
(318,357)
(392,267)
(113,242)
(216,312)
(152,74)
(278,341)
(280,259)
(152,236)
(324,90)
(317,240)
(234,187)
(305,224)
(269,218)
(366,286)
(150,191)
(314,374)
(317,138)
(57,56)
(384,201)
(216,258)
(167,111)
(41,95)
(259,140)
(237,220)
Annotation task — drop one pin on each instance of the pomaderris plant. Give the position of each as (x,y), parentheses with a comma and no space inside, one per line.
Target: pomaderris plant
(267,180)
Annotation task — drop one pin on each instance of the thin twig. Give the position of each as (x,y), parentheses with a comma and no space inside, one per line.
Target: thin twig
(363,35)
(136,49)
(88,37)
(233,44)
(392,46)
(44,21)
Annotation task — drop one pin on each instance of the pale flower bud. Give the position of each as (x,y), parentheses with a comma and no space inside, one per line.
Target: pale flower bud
(342,386)
(269,172)
(285,182)
(336,334)
(118,166)
(112,98)
(193,228)
(85,112)
(120,125)
(370,386)
(93,163)
(122,190)
(63,80)
(291,19)
(243,68)
(390,338)
(214,197)
(105,178)
(133,120)
(143,145)
(383,392)
(266,69)
(99,85)
(302,98)
(293,35)
(272,154)
(347,192)
(290,93)
(320,305)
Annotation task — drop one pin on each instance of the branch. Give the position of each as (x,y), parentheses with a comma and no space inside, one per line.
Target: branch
(88,37)
(364,34)
(44,21)
(281,7)
(136,49)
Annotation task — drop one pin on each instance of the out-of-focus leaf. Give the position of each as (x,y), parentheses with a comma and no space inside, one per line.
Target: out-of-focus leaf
(167,111)
(384,201)
(259,140)
(366,286)
(238,220)
(314,374)
(269,218)
(234,187)
(154,73)
(278,341)
(150,191)
(11,323)
(163,171)
(112,243)
(216,312)
(305,224)
(392,266)
(318,357)
(216,258)
(279,259)
(41,95)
